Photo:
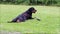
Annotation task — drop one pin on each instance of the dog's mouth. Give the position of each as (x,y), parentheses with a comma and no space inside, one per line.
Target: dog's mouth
(34,11)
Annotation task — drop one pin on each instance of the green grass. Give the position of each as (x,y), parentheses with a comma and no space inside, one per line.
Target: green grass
(50,19)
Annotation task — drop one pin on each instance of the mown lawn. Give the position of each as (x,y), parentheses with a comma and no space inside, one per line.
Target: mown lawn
(50,19)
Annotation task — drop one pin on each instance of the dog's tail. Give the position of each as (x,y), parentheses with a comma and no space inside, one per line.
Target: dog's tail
(9,21)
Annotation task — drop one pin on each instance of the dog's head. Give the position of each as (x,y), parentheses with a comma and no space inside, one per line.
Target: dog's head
(33,10)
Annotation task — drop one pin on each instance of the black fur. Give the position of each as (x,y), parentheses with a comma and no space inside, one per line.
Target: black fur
(24,16)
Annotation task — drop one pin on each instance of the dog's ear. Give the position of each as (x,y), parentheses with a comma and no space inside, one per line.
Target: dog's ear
(31,9)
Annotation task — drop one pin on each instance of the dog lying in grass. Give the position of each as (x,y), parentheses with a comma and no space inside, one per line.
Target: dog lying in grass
(25,16)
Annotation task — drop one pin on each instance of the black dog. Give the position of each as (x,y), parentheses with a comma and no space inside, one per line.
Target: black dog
(25,16)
